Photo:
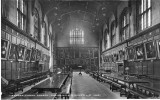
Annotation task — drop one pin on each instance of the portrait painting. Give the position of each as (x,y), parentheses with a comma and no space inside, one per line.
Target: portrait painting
(38,56)
(4,48)
(150,49)
(41,59)
(13,52)
(131,53)
(27,54)
(20,52)
(33,54)
(140,52)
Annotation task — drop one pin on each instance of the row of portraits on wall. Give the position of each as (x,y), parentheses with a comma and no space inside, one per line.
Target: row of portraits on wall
(148,50)
(20,52)
(119,56)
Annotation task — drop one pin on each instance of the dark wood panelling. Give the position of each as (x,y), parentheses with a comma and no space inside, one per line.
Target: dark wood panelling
(3,69)
(138,67)
(150,68)
(14,70)
(157,68)
(145,67)
(8,70)
(3,34)
(132,68)
(11,70)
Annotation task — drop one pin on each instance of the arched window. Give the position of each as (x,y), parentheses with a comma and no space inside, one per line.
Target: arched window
(76,36)
(21,14)
(113,33)
(36,25)
(144,14)
(124,33)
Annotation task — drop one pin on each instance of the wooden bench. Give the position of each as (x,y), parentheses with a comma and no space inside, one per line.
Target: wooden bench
(115,86)
(66,89)
(66,92)
(8,89)
(21,83)
(102,79)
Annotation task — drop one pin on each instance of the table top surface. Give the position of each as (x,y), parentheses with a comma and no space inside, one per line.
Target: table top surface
(55,81)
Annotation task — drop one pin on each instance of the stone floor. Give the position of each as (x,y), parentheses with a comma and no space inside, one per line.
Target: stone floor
(85,87)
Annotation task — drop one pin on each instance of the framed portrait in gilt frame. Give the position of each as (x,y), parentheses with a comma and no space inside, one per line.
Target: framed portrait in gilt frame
(4,49)
(27,55)
(20,52)
(158,47)
(12,52)
(139,51)
(33,55)
(130,53)
(150,49)
(38,56)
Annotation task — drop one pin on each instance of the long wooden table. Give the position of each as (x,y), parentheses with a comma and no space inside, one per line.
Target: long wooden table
(52,84)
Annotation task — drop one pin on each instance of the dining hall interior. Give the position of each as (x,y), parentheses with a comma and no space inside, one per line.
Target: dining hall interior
(80,49)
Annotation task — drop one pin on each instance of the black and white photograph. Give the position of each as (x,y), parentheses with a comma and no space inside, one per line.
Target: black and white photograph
(4,49)
(80,49)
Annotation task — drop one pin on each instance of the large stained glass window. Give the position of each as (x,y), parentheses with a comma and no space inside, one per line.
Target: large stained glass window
(76,36)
